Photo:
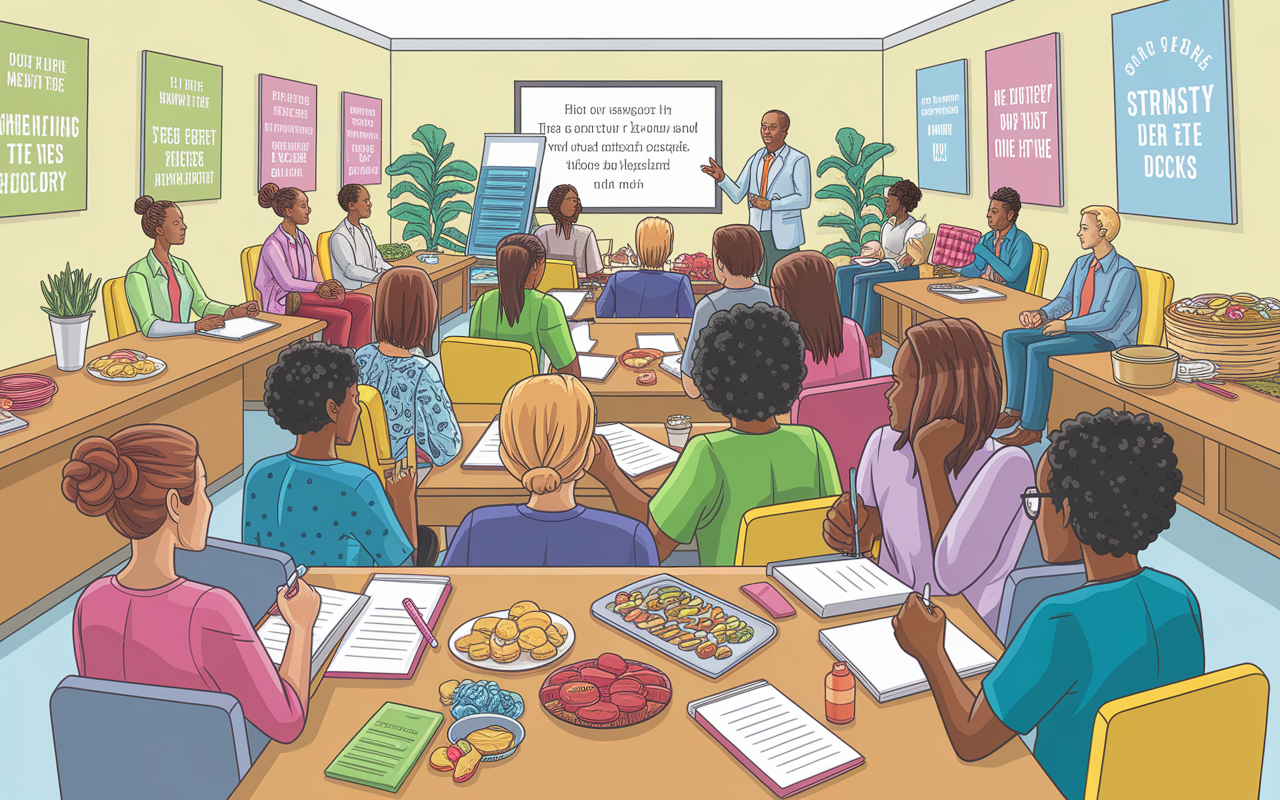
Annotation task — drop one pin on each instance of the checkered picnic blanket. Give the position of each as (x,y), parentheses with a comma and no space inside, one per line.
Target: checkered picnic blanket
(953,247)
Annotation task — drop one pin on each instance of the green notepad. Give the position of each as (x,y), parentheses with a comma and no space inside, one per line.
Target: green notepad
(386,747)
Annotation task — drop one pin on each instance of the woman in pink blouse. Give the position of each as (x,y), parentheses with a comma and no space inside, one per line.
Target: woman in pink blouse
(804,285)
(290,280)
(146,624)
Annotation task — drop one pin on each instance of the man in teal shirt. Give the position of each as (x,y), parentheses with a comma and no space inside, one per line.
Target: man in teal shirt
(1003,254)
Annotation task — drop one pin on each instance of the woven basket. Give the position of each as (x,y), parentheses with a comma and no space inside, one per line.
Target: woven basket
(1243,349)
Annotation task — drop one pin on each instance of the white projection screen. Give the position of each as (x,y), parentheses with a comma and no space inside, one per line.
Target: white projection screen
(628,147)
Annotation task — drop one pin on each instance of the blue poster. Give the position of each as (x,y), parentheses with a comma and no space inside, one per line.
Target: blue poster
(942,127)
(1175,143)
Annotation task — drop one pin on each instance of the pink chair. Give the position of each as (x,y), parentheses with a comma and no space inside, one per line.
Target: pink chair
(846,414)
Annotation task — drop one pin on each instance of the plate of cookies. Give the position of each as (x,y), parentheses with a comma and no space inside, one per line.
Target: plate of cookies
(126,365)
(516,639)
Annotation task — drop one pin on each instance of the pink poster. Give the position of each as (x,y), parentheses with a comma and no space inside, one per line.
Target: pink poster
(1024,120)
(361,139)
(287,133)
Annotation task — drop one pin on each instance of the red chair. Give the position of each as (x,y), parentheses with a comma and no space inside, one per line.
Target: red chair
(845,414)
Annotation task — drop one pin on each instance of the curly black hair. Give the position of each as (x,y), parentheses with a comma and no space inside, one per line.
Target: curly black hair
(907,193)
(1011,199)
(305,377)
(749,362)
(1120,475)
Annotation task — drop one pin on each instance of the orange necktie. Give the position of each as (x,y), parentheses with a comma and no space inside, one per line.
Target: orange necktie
(764,177)
(1086,292)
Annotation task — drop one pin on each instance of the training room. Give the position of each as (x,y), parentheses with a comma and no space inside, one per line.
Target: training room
(405,394)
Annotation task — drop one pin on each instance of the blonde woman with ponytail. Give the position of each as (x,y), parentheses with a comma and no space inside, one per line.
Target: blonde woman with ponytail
(548,443)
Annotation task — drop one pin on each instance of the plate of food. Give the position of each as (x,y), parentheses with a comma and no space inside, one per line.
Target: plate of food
(605,692)
(126,365)
(476,739)
(517,639)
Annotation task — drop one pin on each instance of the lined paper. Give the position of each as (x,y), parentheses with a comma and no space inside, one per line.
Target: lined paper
(596,368)
(240,328)
(838,585)
(635,453)
(885,669)
(662,342)
(672,364)
(334,608)
(580,332)
(384,639)
(485,454)
(571,300)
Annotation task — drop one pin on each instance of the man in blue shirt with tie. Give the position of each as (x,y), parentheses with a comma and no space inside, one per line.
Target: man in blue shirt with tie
(1002,255)
(1096,311)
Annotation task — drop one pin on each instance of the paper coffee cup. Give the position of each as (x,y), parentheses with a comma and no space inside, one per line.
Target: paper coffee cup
(678,428)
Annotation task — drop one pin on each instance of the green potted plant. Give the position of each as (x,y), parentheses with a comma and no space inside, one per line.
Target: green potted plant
(862,192)
(70,296)
(435,179)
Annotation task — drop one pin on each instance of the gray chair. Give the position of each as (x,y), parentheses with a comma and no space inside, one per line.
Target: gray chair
(1026,587)
(249,572)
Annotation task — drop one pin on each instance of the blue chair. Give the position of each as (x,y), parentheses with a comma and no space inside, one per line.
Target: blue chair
(249,572)
(1026,587)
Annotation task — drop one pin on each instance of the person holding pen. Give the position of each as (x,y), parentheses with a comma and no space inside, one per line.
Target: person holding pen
(1002,255)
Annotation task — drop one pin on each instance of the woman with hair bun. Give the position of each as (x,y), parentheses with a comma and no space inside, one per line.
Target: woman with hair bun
(147,624)
(162,289)
(548,442)
(290,280)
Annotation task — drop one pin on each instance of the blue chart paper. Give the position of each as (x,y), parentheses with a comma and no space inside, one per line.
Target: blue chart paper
(1175,149)
(942,127)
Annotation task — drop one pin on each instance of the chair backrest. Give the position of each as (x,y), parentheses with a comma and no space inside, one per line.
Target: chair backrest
(116,305)
(128,740)
(249,271)
(559,275)
(1201,737)
(249,572)
(1157,294)
(371,446)
(1039,266)
(482,370)
(322,252)
(1027,586)
(845,414)
(781,532)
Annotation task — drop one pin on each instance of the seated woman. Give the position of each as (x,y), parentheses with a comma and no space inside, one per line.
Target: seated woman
(517,312)
(942,494)
(162,289)
(804,285)
(547,431)
(289,275)
(649,291)
(412,390)
(565,240)
(755,462)
(146,624)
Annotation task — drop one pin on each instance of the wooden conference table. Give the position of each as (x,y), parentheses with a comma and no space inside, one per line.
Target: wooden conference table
(451,279)
(906,748)
(1228,450)
(203,390)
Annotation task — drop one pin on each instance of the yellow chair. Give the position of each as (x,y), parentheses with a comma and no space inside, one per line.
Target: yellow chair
(1157,294)
(322,252)
(371,446)
(482,370)
(1039,266)
(559,275)
(781,532)
(249,271)
(1201,737)
(116,304)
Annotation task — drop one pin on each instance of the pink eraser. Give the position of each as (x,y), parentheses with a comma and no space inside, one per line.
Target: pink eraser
(769,599)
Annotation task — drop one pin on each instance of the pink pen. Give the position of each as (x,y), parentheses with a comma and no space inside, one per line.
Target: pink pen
(1216,390)
(420,622)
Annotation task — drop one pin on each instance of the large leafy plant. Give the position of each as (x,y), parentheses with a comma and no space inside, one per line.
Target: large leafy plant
(69,294)
(435,179)
(861,191)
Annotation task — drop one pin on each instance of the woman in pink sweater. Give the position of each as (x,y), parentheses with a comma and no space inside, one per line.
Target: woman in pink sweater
(804,285)
(146,624)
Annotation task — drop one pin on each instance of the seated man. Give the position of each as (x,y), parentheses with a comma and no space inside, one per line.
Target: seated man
(1127,630)
(749,366)
(353,254)
(321,510)
(1103,299)
(1004,254)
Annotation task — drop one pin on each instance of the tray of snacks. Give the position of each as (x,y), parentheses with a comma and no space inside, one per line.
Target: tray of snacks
(126,365)
(517,639)
(605,692)
(476,739)
(681,621)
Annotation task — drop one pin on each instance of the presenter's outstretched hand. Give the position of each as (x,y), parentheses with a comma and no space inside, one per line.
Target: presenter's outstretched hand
(714,170)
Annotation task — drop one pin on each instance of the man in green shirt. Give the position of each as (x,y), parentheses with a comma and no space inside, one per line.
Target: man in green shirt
(749,366)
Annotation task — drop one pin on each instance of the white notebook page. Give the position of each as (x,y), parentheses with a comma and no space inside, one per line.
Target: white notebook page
(843,580)
(485,453)
(672,364)
(240,328)
(570,299)
(596,368)
(874,653)
(635,453)
(662,342)
(580,333)
(383,638)
(334,604)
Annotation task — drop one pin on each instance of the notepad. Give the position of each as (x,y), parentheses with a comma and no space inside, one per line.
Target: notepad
(662,342)
(240,328)
(338,610)
(384,750)
(833,585)
(580,332)
(10,423)
(885,669)
(383,642)
(671,364)
(571,300)
(979,293)
(596,368)
(781,743)
(635,453)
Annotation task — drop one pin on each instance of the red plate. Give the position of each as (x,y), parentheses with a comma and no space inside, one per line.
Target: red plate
(655,355)
(27,390)
(661,694)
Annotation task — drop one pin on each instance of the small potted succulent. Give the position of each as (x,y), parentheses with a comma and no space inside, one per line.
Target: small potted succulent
(70,296)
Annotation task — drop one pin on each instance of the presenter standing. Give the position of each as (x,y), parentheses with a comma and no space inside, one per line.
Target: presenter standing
(776,183)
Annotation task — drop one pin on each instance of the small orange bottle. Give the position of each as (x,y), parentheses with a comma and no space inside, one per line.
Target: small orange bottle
(840,694)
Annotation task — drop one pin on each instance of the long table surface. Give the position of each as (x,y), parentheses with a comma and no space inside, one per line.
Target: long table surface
(994,317)
(905,745)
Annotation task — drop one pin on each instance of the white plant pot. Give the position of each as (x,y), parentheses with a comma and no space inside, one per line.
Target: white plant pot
(70,338)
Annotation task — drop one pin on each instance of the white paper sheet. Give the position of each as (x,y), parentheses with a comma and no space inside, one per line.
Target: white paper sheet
(596,368)
(662,342)
(842,585)
(580,332)
(384,639)
(570,299)
(978,293)
(485,454)
(240,328)
(335,606)
(672,364)
(635,453)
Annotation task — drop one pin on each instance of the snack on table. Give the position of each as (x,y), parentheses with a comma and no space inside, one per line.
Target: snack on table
(647,378)
(607,692)
(624,256)
(123,364)
(1242,307)
(697,266)
(685,620)
(483,697)
(525,628)
(464,754)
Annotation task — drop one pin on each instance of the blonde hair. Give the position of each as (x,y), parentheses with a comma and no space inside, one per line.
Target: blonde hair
(546,427)
(1108,219)
(655,237)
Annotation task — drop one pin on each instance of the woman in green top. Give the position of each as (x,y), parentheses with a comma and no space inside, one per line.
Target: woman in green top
(517,312)
(162,289)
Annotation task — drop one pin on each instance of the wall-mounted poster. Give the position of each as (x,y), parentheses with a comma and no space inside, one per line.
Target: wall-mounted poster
(1175,141)
(942,127)
(1024,120)
(361,139)
(181,128)
(44,122)
(286,133)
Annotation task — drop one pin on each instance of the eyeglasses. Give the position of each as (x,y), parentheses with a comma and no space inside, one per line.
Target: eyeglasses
(1031,502)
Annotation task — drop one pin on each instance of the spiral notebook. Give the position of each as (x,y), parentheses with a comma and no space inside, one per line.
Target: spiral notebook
(384,642)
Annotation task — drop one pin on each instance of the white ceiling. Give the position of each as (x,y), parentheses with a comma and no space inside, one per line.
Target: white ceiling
(639,19)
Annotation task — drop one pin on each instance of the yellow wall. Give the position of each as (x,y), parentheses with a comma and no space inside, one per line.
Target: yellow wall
(246,37)
(822,92)
(1203,257)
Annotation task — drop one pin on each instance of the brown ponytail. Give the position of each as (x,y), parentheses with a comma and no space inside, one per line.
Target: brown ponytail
(518,254)
(277,199)
(152,213)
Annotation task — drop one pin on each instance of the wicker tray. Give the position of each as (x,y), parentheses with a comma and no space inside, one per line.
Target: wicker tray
(1242,349)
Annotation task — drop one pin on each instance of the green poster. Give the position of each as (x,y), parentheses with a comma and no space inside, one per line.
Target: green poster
(181,128)
(44,122)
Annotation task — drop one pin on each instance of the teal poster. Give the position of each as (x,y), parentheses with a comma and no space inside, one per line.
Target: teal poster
(942,127)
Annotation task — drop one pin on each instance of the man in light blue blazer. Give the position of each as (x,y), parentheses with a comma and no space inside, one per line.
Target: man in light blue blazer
(776,183)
